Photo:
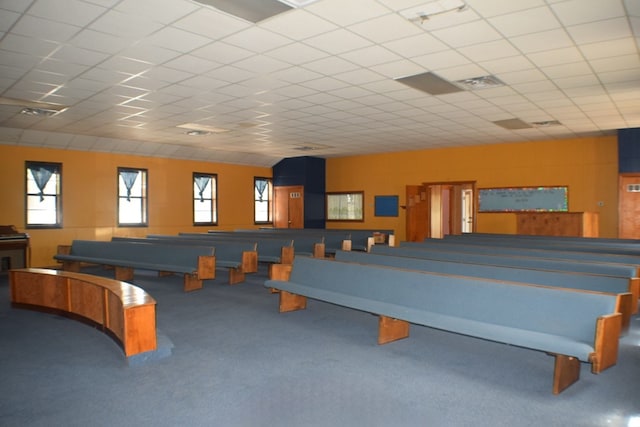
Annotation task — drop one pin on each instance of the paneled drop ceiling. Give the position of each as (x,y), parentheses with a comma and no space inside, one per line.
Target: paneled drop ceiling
(330,78)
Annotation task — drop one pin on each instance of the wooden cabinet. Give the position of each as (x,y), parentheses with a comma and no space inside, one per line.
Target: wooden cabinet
(577,224)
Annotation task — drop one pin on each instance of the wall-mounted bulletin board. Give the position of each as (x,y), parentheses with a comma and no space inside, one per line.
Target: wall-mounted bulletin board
(386,205)
(524,199)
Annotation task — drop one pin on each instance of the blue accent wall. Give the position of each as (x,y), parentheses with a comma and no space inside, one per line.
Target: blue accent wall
(629,150)
(309,172)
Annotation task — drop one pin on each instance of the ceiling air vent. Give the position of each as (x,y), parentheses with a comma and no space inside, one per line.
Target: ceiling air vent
(430,83)
(249,10)
(482,82)
(513,124)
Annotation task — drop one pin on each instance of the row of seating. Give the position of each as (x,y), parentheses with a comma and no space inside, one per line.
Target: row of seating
(573,309)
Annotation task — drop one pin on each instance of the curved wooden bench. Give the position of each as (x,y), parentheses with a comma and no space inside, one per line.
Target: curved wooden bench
(121,310)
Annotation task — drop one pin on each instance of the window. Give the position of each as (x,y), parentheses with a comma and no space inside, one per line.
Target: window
(132,197)
(205,201)
(345,206)
(263,194)
(44,195)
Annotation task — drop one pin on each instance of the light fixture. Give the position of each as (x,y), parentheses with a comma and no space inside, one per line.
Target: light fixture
(197,133)
(34,108)
(426,11)
(41,112)
(205,129)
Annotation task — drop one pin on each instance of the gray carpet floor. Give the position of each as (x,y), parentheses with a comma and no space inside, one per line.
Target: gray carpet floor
(236,361)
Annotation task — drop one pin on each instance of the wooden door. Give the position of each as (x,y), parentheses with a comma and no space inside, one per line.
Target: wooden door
(629,207)
(288,207)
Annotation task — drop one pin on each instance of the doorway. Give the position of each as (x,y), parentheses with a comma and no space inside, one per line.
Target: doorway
(437,209)
(288,207)
(629,207)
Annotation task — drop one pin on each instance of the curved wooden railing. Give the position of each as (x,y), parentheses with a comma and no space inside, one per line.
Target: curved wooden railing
(123,311)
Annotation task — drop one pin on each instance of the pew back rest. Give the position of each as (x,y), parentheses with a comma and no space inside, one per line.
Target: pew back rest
(138,252)
(586,281)
(412,295)
(628,271)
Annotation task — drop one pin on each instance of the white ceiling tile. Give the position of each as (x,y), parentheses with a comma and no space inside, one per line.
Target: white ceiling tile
(78,55)
(148,53)
(101,42)
(488,8)
(74,11)
(525,22)
(295,53)
(28,45)
(176,39)
(200,22)
(261,64)
(347,13)
(462,72)
(330,66)
(397,69)
(40,28)
(507,65)
(420,44)
(192,64)
(369,56)
(439,60)
(534,87)
(222,52)
(257,39)
(556,57)
(576,81)
(544,40)
(121,24)
(599,31)
(489,50)
(567,70)
(616,63)
(338,41)
(298,25)
(572,12)
(169,12)
(385,28)
(625,46)
(467,34)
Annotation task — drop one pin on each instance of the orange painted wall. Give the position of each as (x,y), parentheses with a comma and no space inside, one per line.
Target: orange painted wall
(588,166)
(89,191)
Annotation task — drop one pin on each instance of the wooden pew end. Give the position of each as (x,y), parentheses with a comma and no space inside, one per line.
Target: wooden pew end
(291,302)
(566,372)
(390,329)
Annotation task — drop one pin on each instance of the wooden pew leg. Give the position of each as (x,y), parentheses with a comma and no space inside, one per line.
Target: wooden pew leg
(390,329)
(566,372)
(192,282)
(291,302)
(124,273)
(236,275)
(73,266)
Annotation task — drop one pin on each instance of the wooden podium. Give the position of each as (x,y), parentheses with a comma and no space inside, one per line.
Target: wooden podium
(575,224)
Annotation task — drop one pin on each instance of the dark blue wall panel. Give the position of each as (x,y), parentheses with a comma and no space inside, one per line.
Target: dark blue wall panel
(629,150)
(310,173)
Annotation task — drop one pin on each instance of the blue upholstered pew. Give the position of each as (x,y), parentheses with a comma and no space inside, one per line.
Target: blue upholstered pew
(331,240)
(271,249)
(548,242)
(609,269)
(463,245)
(238,257)
(570,325)
(559,279)
(196,263)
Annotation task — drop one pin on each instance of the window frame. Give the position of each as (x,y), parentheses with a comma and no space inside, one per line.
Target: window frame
(269,200)
(214,198)
(341,197)
(30,164)
(144,206)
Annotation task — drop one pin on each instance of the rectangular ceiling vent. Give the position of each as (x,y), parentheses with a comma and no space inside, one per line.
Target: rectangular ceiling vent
(249,10)
(513,124)
(430,83)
